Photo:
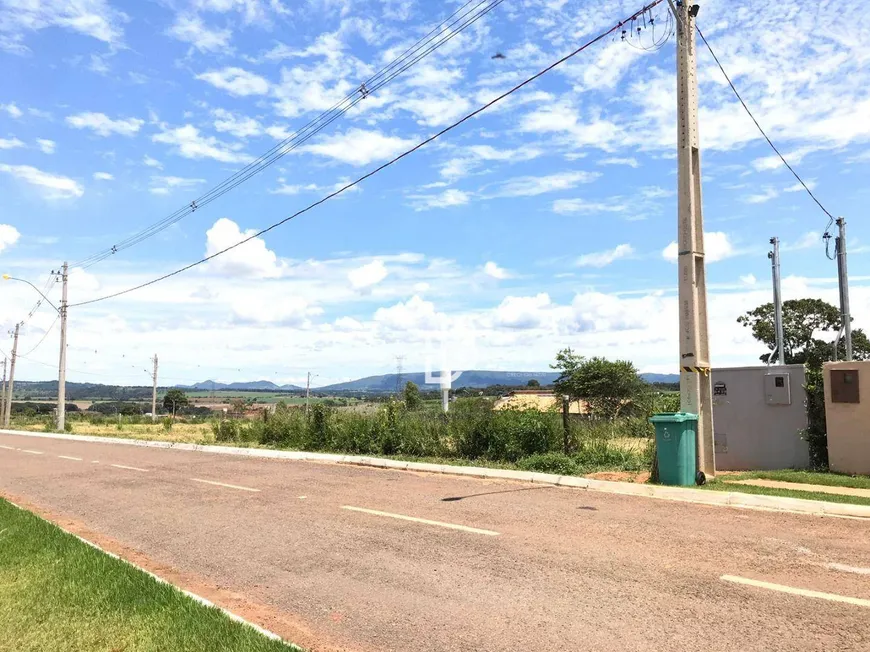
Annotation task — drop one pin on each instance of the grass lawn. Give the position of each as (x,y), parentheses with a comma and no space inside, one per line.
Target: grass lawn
(57,593)
(807,477)
(188,433)
(720,485)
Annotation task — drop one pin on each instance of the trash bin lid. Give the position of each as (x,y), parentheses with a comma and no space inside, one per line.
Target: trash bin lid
(673,417)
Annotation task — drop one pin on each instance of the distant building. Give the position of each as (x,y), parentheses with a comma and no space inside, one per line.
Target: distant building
(538,399)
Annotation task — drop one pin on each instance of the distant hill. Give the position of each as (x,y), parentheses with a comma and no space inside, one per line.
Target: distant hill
(661,378)
(473,378)
(476,379)
(257,385)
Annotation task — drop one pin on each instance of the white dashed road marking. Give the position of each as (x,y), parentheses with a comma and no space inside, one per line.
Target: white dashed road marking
(129,468)
(832,597)
(9,448)
(229,486)
(67,457)
(424,521)
(24,450)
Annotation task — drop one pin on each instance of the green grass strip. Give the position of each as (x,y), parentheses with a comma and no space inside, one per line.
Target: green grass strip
(719,485)
(807,477)
(57,593)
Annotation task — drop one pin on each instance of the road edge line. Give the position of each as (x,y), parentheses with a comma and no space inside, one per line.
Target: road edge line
(676,494)
(193,596)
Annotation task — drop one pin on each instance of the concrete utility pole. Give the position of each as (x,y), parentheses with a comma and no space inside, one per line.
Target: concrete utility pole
(61,376)
(7,414)
(307,392)
(3,394)
(696,392)
(777,300)
(154,392)
(843,274)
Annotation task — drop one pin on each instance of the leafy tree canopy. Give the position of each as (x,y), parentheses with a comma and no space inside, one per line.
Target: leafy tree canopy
(809,328)
(608,387)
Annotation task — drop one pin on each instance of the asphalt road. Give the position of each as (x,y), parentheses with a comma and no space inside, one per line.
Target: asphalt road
(341,557)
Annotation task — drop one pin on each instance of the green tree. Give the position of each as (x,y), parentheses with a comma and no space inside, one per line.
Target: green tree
(609,388)
(533,384)
(174,399)
(809,328)
(411,396)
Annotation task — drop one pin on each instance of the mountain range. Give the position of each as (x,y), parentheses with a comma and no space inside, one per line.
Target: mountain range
(476,379)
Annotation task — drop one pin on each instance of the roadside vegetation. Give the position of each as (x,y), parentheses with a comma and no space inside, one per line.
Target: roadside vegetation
(722,484)
(61,594)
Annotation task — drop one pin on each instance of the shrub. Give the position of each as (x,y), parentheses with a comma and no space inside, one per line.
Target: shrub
(167,424)
(557,463)
(225,430)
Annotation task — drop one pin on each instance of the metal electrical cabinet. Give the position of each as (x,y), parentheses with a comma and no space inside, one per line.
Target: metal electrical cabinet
(758,416)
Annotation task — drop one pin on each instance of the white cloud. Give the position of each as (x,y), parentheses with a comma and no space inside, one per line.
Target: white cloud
(10,143)
(236,81)
(749,279)
(161,185)
(12,110)
(239,126)
(53,186)
(604,258)
(414,314)
(717,246)
(359,146)
(797,187)
(532,186)
(250,260)
(523,312)
(103,125)
(9,235)
(191,29)
(808,240)
(47,146)
(94,18)
(630,161)
(493,270)
(446,199)
(103,176)
(152,162)
(766,195)
(368,275)
(189,143)
(574,206)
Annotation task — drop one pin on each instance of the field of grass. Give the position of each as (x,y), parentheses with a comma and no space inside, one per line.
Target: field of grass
(57,593)
(188,433)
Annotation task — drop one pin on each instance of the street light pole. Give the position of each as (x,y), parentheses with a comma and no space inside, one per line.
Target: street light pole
(61,375)
(154,392)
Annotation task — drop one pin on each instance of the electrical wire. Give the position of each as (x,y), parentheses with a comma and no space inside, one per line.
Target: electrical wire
(444,32)
(766,137)
(375,171)
(42,339)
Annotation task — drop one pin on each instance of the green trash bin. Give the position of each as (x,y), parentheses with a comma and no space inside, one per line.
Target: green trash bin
(676,442)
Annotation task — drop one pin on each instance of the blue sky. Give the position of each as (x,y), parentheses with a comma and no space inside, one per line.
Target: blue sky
(545,222)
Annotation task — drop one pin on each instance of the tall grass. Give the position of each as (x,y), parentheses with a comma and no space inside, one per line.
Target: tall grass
(471,430)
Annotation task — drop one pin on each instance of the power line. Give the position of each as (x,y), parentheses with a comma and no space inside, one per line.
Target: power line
(445,31)
(766,137)
(380,168)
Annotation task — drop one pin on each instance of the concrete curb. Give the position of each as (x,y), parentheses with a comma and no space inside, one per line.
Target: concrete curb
(679,494)
(193,596)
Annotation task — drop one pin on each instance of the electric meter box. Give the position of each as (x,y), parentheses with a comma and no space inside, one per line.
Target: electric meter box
(777,388)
